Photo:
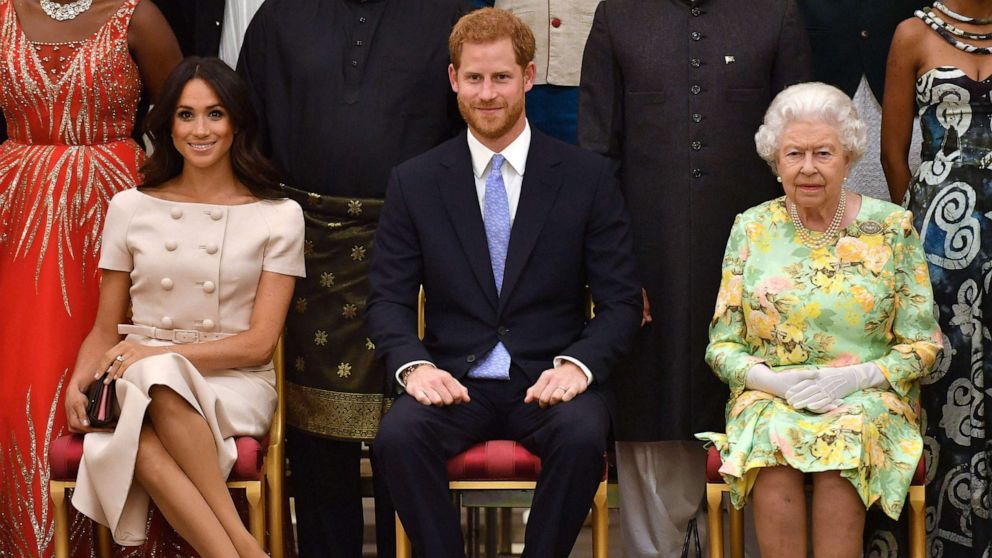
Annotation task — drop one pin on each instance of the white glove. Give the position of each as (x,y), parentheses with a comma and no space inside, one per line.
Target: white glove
(762,378)
(831,385)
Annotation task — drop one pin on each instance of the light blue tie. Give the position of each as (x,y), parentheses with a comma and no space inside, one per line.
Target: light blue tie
(496,214)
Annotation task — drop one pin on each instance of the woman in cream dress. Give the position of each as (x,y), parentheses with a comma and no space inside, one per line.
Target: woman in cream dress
(205,255)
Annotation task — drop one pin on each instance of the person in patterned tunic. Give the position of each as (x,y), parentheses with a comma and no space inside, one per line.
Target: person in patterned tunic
(822,329)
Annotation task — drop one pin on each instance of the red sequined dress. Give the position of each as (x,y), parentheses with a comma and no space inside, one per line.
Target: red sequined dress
(70,110)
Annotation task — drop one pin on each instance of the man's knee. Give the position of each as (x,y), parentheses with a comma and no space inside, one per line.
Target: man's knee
(404,427)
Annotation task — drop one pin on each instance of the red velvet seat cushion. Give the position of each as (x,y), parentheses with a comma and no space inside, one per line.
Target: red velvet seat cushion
(713,464)
(503,460)
(66,452)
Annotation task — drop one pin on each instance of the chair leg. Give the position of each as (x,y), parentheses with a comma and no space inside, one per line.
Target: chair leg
(403,547)
(491,532)
(256,513)
(736,517)
(61,512)
(600,523)
(104,541)
(274,503)
(917,527)
(505,530)
(714,518)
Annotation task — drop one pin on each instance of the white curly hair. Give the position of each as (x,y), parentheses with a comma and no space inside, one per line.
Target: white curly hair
(811,101)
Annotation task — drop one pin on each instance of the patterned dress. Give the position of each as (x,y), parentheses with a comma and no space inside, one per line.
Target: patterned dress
(865,299)
(70,109)
(951,197)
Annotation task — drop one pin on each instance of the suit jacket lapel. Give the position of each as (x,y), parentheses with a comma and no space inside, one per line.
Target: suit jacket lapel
(457,184)
(537,195)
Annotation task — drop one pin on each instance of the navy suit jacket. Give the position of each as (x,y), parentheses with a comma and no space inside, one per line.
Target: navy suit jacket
(570,230)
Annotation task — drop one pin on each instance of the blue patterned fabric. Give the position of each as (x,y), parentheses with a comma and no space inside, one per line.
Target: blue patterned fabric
(496,214)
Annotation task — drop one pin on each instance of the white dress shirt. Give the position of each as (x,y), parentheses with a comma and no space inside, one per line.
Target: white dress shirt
(513,169)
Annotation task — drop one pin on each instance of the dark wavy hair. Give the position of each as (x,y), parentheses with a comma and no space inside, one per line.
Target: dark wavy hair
(251,167)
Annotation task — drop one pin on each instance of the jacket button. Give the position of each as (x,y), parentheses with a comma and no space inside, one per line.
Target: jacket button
(502,330)
(167,322)
(208,286)
(696,12)
(697,118)
(695,62)
(864,33)
(696,145)
(695,90)
(171,245)
(216,214)
(556,23)
(208,324)
(166,283)
(695,35)
(211,248)
(696,173)
(176,212)
(470,358)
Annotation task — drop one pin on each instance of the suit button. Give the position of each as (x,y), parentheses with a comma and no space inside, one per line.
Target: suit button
(502,330)
(695,62)
(167,283)
(470,358)
(208,286)
(697,118)
(864,33)
(208,325)
(696,145)
(696,12)
(695,90)
(556,23)
(176,212)
(695,35)
(216,214)
(171,245)
(167,322)
(696,173)
(211,248)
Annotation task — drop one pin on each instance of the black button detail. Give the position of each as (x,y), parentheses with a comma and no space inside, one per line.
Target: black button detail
(864,33)
(695,90)
(362,19)
(695,35)
(358,43)
(502,330)
(470,358)
(695,62)
(696,173)
(696,12)
(696,145)
(354,63)
(697,118)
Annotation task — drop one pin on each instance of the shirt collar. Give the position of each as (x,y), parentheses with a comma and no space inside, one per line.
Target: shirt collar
(515,153)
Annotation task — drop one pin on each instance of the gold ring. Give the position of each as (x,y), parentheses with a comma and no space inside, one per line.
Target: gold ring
(119,358)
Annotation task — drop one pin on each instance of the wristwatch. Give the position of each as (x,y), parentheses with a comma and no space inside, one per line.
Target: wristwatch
(405,373)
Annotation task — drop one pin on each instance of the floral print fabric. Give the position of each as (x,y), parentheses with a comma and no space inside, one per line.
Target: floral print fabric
(865,299)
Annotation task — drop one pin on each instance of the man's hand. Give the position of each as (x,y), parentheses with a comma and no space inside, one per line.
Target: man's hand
(557,384)
(646,311)
(432,386)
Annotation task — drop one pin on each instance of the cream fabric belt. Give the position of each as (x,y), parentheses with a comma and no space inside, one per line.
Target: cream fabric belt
(174,335)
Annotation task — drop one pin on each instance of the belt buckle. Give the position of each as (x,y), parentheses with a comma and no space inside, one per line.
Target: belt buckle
(185,336)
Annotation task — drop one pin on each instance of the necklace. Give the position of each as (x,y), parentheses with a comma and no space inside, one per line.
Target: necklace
(962,18)
(949,37)
(62,12)
(828,235)
(956,31)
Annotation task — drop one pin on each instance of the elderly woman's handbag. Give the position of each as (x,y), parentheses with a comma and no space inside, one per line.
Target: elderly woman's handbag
(101,405)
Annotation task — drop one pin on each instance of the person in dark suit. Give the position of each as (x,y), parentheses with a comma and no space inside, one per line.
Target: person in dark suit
(504,227)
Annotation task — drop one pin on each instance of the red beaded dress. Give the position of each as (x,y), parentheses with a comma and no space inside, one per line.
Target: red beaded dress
(70,110)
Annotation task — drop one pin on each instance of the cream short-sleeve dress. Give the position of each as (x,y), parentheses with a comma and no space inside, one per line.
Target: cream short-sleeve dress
(193,267)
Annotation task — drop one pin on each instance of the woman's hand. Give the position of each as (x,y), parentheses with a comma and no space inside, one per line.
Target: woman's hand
(762,378)
(75,409)
(122,355)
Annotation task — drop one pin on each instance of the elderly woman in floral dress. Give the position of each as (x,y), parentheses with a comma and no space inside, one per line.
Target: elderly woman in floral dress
(822,328)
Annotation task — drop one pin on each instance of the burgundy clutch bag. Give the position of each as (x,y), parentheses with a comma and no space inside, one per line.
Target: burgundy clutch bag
(101,403)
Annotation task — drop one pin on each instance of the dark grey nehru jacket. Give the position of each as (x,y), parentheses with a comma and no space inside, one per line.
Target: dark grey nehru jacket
(674,91)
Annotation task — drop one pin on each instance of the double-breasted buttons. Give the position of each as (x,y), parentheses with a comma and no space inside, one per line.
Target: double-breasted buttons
(171,245)
(176,212)
(167,283)
(208,286)
(211,248)
(208,324)
(166,322)
(216,214)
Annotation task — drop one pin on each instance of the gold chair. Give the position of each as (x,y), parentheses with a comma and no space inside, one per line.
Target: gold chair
(263,485)
(476,490)
(715,488)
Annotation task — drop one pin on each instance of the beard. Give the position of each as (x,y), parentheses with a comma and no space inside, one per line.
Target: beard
(491,128)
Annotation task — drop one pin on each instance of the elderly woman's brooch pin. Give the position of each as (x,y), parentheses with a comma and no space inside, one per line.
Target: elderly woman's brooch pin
(870,227)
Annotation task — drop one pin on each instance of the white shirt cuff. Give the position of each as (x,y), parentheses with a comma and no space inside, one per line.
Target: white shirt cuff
(585,370)
(408,365)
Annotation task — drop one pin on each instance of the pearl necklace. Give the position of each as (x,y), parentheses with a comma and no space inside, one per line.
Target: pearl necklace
(62,12)
(828,235)
(962,18)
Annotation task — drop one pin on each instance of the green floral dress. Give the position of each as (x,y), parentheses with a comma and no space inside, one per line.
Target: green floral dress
(866,298)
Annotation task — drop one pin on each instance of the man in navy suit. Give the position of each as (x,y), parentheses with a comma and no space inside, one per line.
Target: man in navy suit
(505,228)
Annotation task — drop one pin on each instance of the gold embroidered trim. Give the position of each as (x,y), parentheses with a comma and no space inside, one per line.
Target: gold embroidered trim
(350,416)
